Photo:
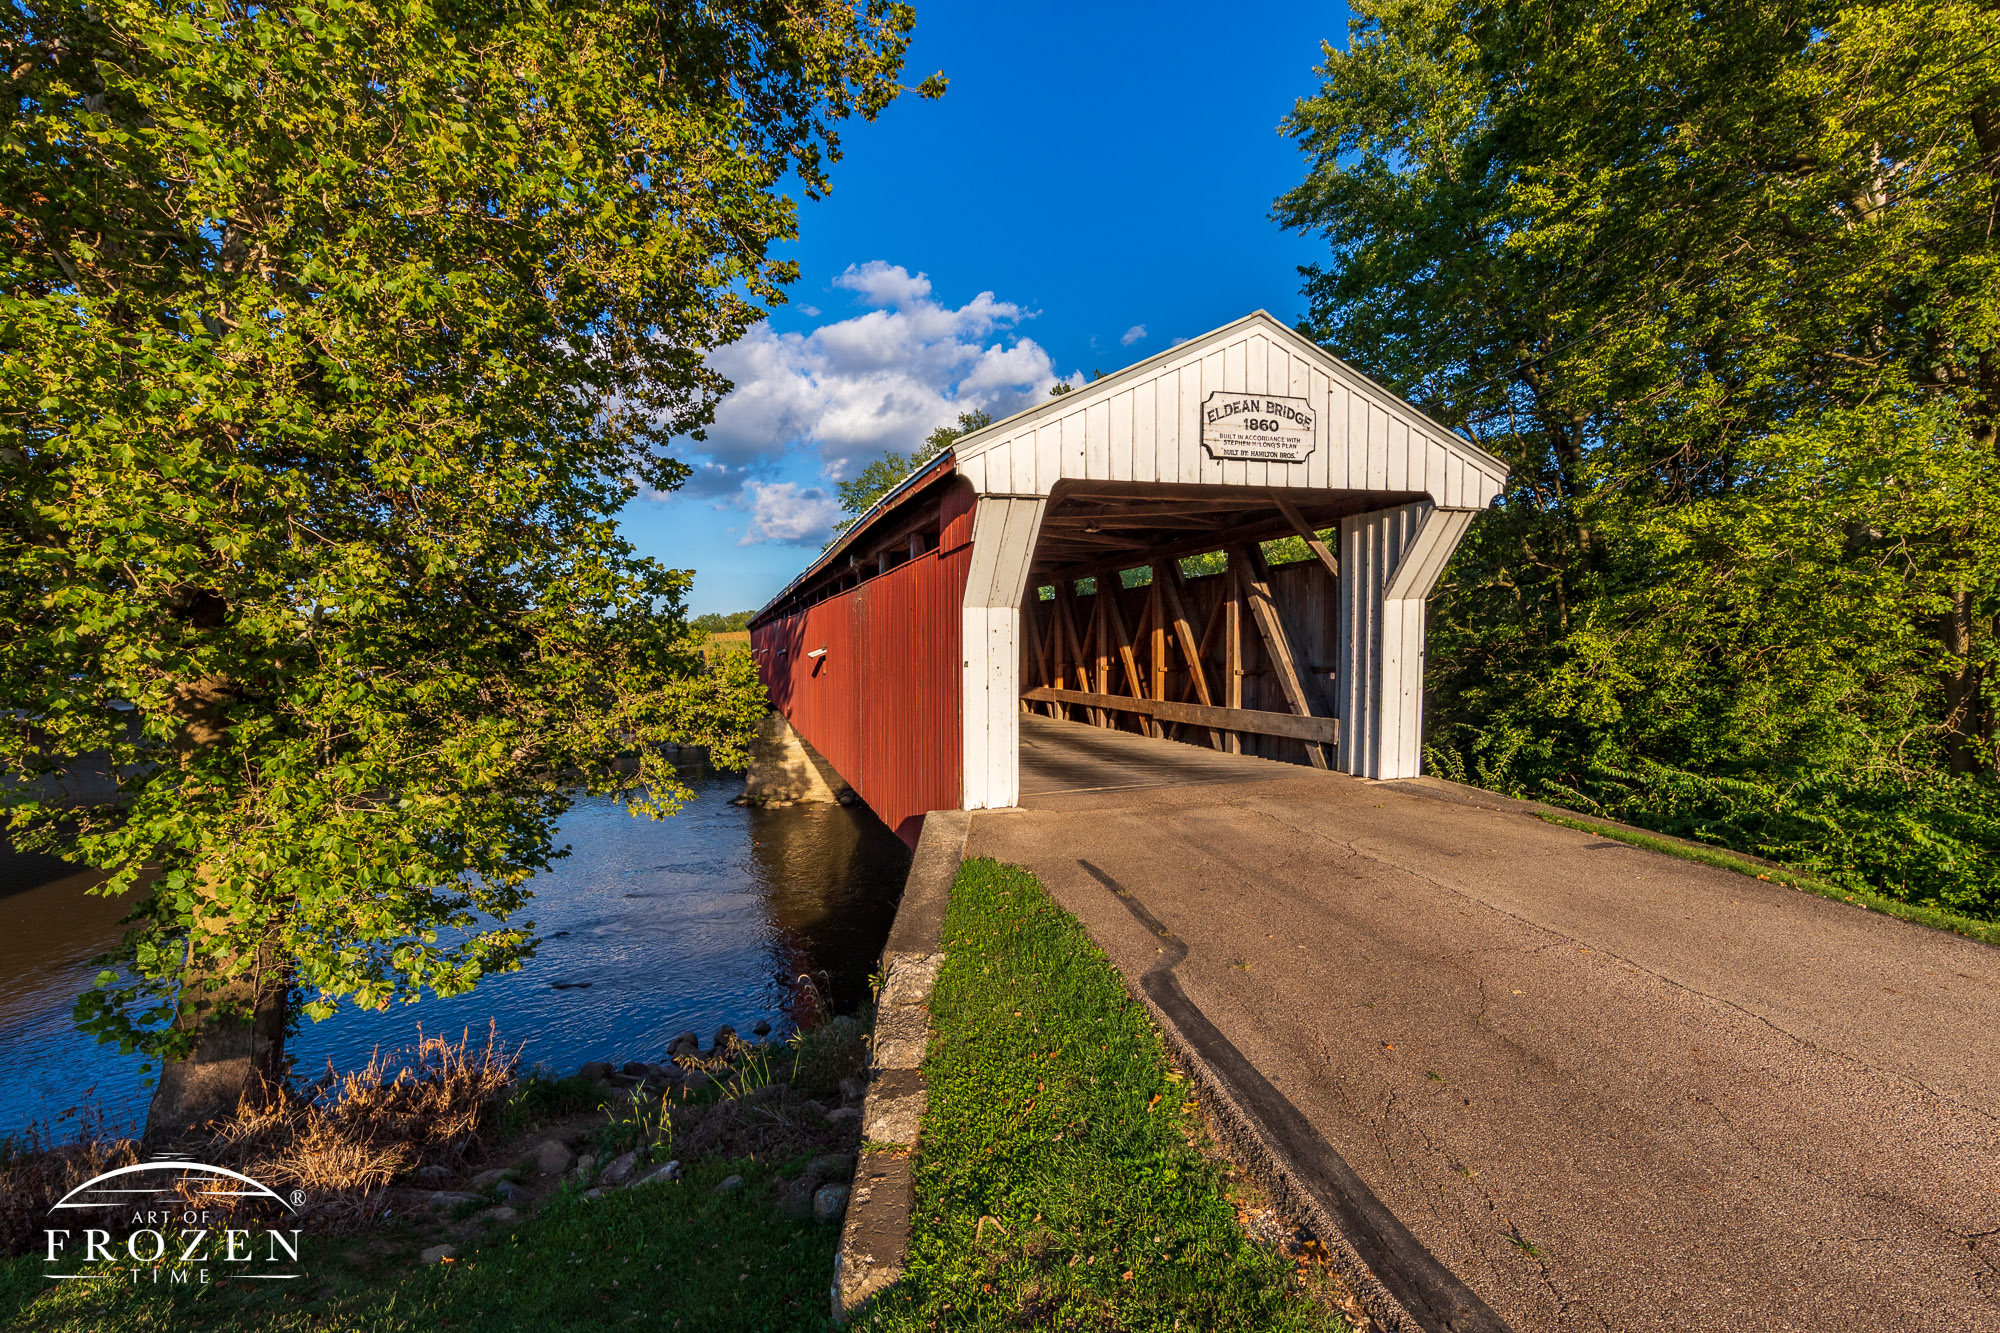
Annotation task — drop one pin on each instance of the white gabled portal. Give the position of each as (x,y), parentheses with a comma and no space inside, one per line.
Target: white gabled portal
(1406,489)
(1004,529)
(1390,560)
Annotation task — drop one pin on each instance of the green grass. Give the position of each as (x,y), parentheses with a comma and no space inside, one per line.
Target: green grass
(1986,932)
(541,1098)
(663,1257)
(1061,1181)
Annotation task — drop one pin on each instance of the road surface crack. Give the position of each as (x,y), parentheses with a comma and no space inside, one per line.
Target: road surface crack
(1561,937)
(1566,1305)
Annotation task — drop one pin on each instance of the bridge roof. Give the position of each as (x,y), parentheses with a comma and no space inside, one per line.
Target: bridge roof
(1142,425)
(918,482)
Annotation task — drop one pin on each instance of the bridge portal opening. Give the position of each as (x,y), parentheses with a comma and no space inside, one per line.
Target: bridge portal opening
(1209,615)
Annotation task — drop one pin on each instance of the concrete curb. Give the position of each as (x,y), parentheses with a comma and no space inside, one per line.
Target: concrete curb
(1245,1144)
(875,1240)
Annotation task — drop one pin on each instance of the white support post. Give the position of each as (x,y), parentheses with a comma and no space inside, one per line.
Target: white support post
(1004,529)
(1390,560)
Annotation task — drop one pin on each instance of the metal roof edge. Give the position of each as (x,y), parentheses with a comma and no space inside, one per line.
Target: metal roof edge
(1109,384)
(1456,437)
(1066,402)
(945,462)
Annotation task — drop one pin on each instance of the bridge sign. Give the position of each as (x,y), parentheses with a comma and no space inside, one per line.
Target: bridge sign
(1258,427)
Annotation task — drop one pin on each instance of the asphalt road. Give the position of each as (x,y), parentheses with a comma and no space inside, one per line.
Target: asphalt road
(1606,1088)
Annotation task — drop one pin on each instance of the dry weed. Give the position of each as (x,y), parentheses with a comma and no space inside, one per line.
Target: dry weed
(35,1172)
(343,1140)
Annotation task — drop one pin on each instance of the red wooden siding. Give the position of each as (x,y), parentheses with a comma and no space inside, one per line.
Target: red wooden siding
(883,704)
(955,522)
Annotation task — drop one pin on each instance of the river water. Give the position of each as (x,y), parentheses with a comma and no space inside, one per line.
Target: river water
(649,929)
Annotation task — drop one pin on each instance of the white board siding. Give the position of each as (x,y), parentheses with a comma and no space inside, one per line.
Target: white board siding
(1145,462)
(1298,384)
(1004,530)
(1121,461)
(1167,426)
(1312,473)
(1369,439)
(1193,457)
(1143,424)
(1389,562)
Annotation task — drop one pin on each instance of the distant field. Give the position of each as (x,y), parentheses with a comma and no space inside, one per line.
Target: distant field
(741,636)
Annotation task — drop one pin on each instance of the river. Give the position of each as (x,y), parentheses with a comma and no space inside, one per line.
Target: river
(648,928)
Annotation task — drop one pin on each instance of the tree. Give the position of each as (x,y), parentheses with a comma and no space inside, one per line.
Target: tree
(1723,284)
(859,494)
(332,339)
(717,622)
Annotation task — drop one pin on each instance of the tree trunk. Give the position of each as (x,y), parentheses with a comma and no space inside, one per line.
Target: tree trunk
(239,1053)
(239,1022)
(1964,710)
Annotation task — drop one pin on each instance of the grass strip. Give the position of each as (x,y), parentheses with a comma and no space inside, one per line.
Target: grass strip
(1986,932)
(1062,1179)
(675,1256)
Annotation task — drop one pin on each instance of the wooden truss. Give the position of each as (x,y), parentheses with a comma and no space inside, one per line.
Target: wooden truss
(1159,676)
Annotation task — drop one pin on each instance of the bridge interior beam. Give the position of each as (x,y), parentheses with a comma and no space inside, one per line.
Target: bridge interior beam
(1088,530)
(1258,677)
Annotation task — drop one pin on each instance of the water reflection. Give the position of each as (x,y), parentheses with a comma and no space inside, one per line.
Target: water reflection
(649,929)
(50,929)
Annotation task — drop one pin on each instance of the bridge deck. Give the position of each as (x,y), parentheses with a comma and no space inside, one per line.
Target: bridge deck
(1605,1088)
(1065,758)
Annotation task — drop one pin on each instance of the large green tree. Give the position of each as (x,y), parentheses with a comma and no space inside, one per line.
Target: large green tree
(1723,283)
(333,335)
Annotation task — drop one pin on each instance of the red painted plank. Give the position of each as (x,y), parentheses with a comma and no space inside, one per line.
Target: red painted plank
(955,520)
(882,703)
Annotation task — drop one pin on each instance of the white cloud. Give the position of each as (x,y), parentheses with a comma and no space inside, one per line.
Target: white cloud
(883,283)
(844,392)
(784,511)
(1133,334)
(882,379)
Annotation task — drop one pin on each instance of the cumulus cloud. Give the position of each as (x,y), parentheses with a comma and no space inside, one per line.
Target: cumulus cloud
(885,284)
(838,395)
(1133,334)
(881,379)
(784,511)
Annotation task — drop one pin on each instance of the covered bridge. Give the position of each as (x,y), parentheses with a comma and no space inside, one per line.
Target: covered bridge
(1098,558)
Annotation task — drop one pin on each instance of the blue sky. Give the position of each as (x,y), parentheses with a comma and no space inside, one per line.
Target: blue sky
(1095,186)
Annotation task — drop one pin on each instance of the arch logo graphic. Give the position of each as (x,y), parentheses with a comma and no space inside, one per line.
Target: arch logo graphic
(169,1222)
